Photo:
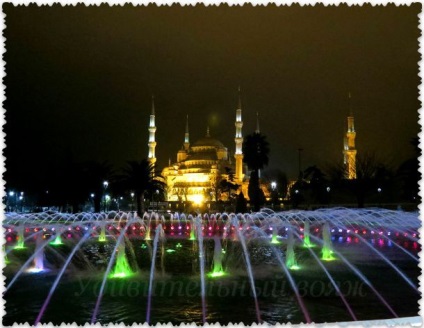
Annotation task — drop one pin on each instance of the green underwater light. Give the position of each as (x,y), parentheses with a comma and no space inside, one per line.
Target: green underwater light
(19,245)
(192,235)
(102,238)
(57,241)
(217,274)
(169,250)
(327,254)
(122,267)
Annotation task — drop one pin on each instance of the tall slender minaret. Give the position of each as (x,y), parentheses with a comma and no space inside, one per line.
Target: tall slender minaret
(186,137)
(239,144)
(152,131)
(257,131)
(349,150)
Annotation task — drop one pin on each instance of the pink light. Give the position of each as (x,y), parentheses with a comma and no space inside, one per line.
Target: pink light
(179,227)
(210,228)
(172,227)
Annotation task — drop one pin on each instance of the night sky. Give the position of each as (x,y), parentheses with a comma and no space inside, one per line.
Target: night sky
(79,81)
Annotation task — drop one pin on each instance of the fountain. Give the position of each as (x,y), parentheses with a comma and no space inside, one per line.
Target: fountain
(328,265)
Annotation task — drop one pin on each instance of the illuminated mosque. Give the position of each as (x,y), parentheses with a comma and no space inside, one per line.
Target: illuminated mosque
(202,165)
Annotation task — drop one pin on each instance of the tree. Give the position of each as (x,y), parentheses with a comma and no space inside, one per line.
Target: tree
(371,175)
(140,177)
(256,152)
(408,175)
(241,205)
(227,185)
(317,184)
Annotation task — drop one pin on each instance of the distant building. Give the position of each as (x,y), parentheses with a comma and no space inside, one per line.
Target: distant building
(349,150)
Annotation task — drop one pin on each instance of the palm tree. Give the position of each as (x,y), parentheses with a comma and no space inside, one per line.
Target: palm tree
(141,177)
(256,152)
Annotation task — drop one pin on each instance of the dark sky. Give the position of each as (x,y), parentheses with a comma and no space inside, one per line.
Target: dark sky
(79,80)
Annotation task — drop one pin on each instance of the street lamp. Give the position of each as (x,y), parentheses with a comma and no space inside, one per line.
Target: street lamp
(273,187)
(105,185)
(132,201)
(107,198)
(92,200)
(10,199)
(157,200)
(21,198)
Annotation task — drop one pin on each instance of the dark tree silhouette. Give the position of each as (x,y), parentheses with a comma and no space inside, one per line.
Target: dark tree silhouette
(408,175)
(256,152)
(241,204)
(141,177)
(317,184)
(371,174)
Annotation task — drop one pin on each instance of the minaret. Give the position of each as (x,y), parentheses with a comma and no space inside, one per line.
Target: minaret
(239,143)
(257,131)
(152,131)
(349,150)
(186,137)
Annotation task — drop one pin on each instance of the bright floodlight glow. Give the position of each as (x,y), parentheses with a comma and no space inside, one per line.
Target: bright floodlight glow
(197,199)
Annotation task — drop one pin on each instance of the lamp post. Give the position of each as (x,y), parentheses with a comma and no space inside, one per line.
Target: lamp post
(105,185)
(132,201)
(273,187)
(21,198)
(9,200)
(92,201)
(157,200)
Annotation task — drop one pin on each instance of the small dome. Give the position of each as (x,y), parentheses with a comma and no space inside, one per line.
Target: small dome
(208,142)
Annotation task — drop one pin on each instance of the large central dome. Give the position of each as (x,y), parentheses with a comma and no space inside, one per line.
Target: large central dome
(208,142)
